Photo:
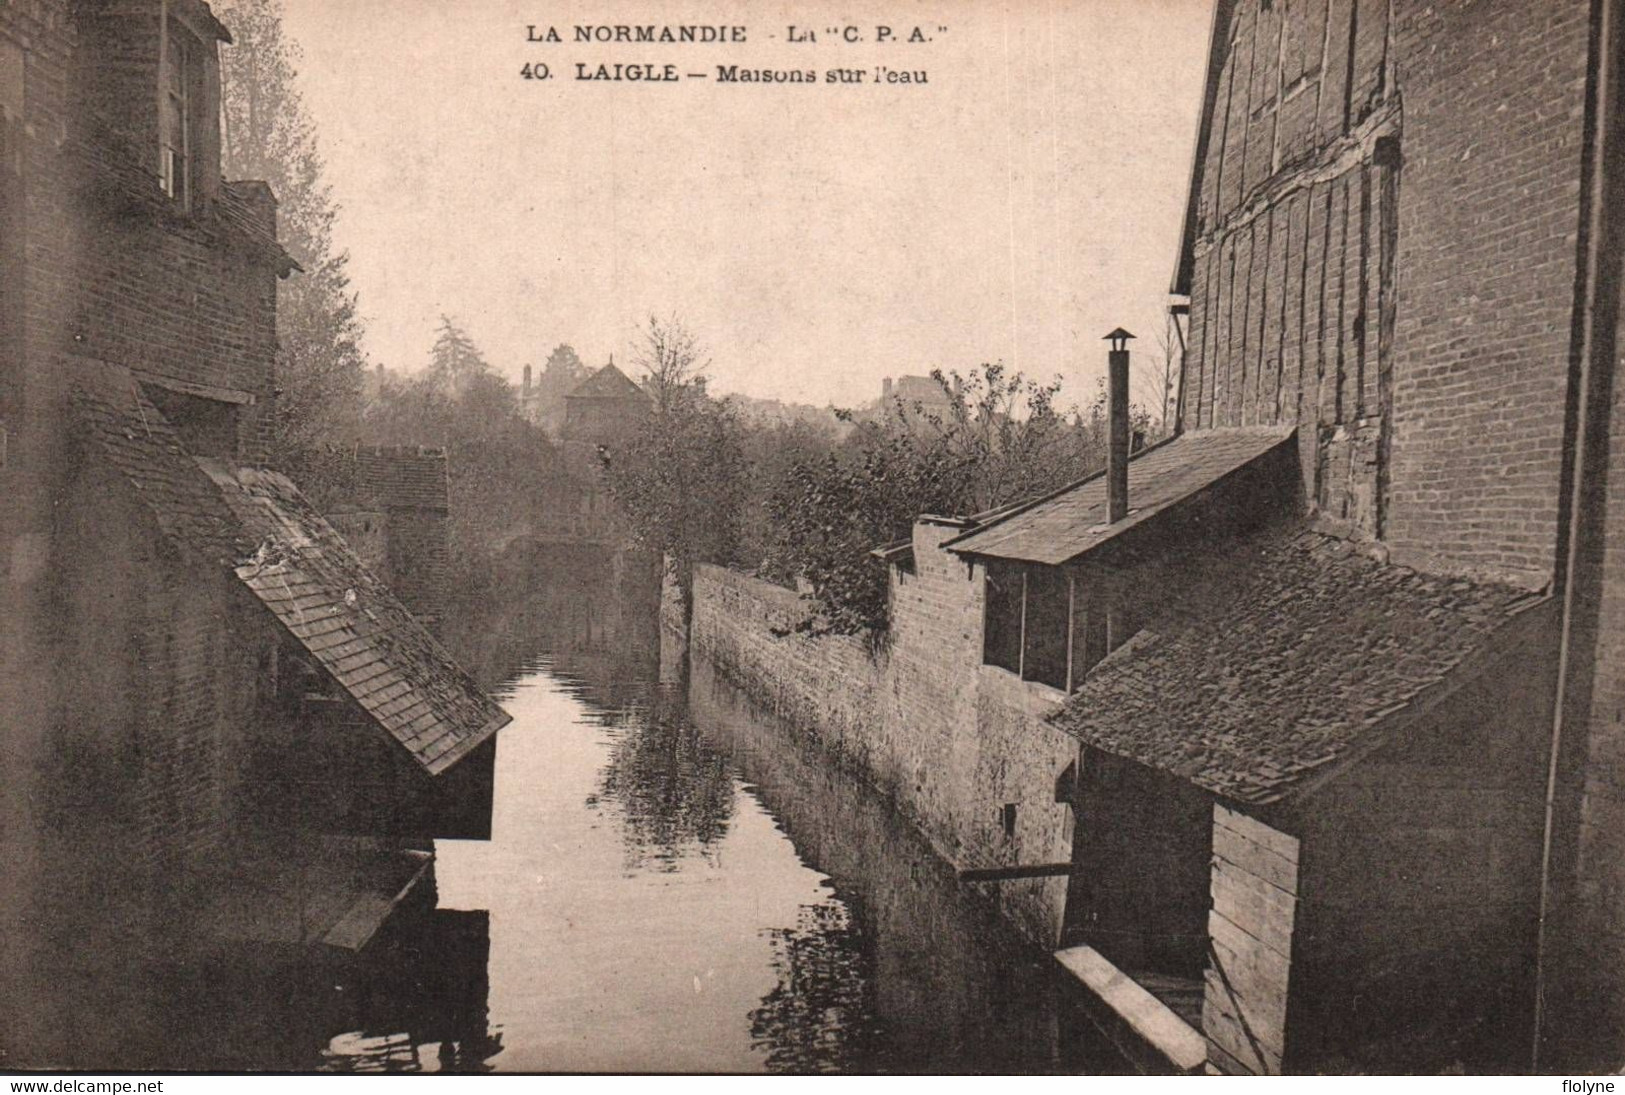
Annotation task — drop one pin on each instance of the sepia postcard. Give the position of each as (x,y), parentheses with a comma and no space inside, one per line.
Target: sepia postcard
(812,536)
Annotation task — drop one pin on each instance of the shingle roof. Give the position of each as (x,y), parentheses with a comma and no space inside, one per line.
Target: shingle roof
(1284,654)
(1061,526)
(258,525)
(608,383)
(402,477)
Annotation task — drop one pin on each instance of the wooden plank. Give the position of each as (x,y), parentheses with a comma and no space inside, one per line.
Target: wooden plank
(1237,1043)
(1147,1016)
(1265,997)
(1255,859)
(367,913)
(1221,1063)
(1244,958)
(1264,1014)
(1266,911)
(186,387)
(1256,831)
(1001,874)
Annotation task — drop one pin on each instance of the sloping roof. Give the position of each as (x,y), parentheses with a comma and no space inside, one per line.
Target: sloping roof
(139,442)
(608,383)
(1064,525)
(1285,654)
(1218,48)
(258,525)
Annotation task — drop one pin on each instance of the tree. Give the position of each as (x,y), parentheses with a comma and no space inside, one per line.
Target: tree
(561,374)
(503,469)
(671,359)
(565,364)
(268,135)
(681,479)
(998,439)
(455,363)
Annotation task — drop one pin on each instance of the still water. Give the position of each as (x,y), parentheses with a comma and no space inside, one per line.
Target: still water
(674,882)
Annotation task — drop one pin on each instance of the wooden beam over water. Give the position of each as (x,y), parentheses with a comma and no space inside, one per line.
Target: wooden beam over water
(1004,874)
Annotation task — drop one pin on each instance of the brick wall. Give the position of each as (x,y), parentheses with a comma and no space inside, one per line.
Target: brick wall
(1384,252)
(1494,105)
(392,503)
(34,46)
(121,673)
(950,741)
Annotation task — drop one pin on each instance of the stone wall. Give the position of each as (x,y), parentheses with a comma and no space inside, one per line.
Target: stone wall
(960,748)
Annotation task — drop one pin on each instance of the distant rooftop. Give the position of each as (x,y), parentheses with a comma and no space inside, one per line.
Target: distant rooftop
(608,383)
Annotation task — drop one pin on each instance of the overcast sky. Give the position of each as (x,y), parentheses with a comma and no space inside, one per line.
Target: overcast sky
(1017,206)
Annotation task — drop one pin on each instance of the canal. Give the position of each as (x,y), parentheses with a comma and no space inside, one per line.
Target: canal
(674,882)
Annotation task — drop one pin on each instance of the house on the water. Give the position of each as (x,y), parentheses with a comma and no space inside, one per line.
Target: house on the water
(224,734)
(1346,671)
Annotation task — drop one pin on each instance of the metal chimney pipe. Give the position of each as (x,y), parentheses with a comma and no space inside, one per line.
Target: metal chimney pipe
(1117,427)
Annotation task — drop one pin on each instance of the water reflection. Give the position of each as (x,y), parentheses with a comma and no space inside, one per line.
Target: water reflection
(422,1000)
(822,1015)
(671,789)
(763,909)
(673,883)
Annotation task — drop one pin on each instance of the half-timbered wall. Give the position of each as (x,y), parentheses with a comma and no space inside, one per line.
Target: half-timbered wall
(1383,251)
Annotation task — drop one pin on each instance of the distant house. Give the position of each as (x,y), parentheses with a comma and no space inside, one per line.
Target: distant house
(541,397)
(912,399)
(605,409)
(222,728)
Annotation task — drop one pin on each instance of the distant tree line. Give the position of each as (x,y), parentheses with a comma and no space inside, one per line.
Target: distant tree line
(803,506)
(800,500)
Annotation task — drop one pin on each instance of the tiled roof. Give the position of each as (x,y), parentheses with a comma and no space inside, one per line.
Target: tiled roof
(140,443)
(402,477)
(608,383)
(1061,526)
(1283,655)
(258,525)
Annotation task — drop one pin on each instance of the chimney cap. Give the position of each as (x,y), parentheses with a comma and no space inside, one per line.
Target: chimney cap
(1117,335)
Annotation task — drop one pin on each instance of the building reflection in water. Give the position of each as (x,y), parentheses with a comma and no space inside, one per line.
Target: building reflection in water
(903,969)
(822,1015)
(420,1003)
(819,932)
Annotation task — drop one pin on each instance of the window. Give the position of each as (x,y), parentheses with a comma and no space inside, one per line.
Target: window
(179,63)
(1048,624)
(1001,623)
(1044,638)
(1007,819)
(207,427)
